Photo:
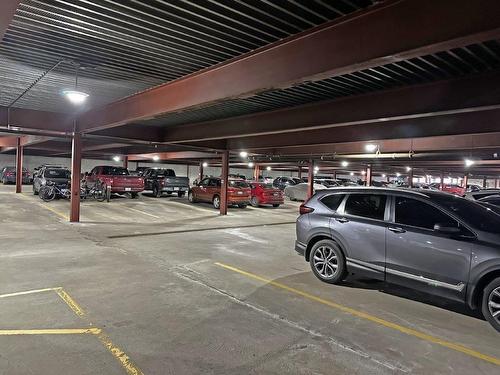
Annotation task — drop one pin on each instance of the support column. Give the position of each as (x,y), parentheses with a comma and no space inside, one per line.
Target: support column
(224,182)
(310,179)
(485,182)
(334,175)
(410,178)
(76,168)
(125,161)
(19,166)
(465,181)
(496,183)
(256,172)
(441,185)
(300,173)
(368,176)
(200,173)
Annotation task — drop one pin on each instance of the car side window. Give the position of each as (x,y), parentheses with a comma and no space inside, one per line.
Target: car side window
(419,214)
(333,201)
(371,206)
(204,182)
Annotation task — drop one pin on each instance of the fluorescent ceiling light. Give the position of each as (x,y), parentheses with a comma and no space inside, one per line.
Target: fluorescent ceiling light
(243,154)
(370,147)
(116,158)
(345,163)
(156,158)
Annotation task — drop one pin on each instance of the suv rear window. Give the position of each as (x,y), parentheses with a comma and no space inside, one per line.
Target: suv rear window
(371,206)
(333,201)
(239,184)
(115,171)
(57,173)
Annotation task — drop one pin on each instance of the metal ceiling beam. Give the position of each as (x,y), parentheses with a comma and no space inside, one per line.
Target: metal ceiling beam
(21,119)
(442,98)
(7,10)
(389,32)
(162,156)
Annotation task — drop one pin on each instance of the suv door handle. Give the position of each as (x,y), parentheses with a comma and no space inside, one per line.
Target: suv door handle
(396,229)
(342,220)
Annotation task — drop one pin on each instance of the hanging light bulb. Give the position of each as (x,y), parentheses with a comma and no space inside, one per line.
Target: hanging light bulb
(75,96)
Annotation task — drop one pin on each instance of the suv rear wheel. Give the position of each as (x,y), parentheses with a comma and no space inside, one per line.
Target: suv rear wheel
(216,202)
(491,303)
(327,261)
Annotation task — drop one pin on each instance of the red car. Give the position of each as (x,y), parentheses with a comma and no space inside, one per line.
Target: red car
(452,189)
(208,190)
(263,193)
(117,178)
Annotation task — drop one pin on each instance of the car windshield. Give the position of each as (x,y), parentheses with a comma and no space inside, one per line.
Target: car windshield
(238,184)
(57,173)
(165,173)
(296,180)
(476,215)
(115,171)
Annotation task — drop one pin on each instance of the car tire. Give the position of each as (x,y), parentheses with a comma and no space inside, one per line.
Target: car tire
(335,268)
(242,206)
(180,194)
(34,190)
(491,303)
(191,197)
(134,195)
(156,191)
(216,202)
(276,205)
(254,202)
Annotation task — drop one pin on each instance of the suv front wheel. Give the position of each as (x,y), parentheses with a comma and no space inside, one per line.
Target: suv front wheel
(327,261)
(491,303)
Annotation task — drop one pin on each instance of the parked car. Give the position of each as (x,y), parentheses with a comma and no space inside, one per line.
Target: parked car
(45,174)
(208,190)
(139,171)
(263,194)
(491,199)
(476,195)
(473,187)
(116,180)
(443,245)
(452,189)
(8,176)
(299,192)
(163,180)
(282,182)
(327,182)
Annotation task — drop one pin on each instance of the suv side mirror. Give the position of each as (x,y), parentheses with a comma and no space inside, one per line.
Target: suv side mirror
(445,228)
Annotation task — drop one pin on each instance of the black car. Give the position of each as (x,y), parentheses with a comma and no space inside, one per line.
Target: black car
(8,175)
(163,180)
(59,175)
(282,182)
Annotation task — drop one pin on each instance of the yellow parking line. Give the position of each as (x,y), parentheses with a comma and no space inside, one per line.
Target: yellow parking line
(142,212)
(56,331)
(27,292)
(372,318)
(118,353)
(64,216)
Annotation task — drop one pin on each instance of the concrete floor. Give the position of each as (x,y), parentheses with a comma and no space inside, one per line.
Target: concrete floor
(154,275)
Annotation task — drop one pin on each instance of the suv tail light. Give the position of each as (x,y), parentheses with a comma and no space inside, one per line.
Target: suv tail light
(304,209)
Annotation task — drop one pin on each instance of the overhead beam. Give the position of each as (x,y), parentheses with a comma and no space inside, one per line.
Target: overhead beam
(389,32)
(7,10)
(443,98)
(21,119)
(172,155)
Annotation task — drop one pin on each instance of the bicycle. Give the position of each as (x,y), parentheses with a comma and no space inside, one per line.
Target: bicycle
(51,190)
(97,192)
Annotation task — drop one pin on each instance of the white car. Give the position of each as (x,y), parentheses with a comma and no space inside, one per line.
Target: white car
(299,192)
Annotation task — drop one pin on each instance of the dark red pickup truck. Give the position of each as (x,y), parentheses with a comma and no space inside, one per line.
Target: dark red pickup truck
(118,179)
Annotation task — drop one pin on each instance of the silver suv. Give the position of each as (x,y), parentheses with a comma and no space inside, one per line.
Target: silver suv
(432,241)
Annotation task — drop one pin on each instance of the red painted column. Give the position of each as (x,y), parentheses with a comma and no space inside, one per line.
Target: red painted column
(334,175)
(368,176)
(76,168)
(485,182)
(310,179)
(410,178)
(125,161)
(441,185)
(19,166)
(256,172)
(200,173)
(465,181)
(300,173)
(224,182)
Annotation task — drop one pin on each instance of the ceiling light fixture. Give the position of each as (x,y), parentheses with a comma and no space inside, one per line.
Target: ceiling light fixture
(251,164)
(469,162)
(243,154)
(352,173)
(370,147)
(205,164)
(156,158)
(268,168)
(398,174)
(384,176)
(408,169)
(116,158)
(74,96)
(345,163)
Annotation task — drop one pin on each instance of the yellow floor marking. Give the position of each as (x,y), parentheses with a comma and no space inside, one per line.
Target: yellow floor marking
(55,331)
(119,354)
(363,315)
(27,292)
(142,212)
(70,302)
(58,213)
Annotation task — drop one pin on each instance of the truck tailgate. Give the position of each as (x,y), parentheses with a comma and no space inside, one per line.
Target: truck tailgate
(176,181)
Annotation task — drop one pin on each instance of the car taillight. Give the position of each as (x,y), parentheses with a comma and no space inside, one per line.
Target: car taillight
(305,210)
(9,173)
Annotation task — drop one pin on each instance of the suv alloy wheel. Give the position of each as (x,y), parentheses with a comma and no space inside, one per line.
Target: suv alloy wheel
(327,261)
(491,303)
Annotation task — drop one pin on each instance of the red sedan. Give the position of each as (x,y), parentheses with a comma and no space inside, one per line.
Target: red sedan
(263,193)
